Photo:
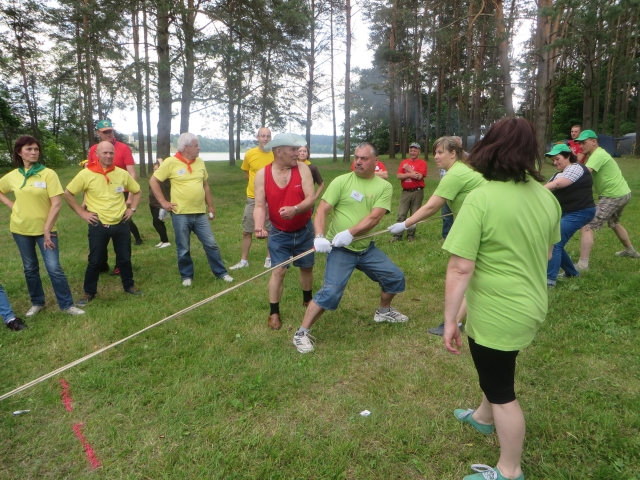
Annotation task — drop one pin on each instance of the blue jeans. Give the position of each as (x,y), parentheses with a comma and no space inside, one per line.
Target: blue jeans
(99,236)
(447,222)
(341,263)
(5,307)
(284,245)
(27,247)
(570,223)
(198,223)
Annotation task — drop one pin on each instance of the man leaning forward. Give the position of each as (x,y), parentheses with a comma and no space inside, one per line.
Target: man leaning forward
(359,200)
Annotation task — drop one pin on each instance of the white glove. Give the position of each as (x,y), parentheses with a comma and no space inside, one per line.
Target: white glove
(322,245)
(397,228)
(342,239)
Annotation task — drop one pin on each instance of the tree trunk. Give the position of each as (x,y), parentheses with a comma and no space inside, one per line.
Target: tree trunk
(164,81)
(505,64)
(238,128)
(80,79)
(347,86)
(333,90)
(543,35)
(138,87)
(88,95)
(312,64)
(188,68)
(147,100)
(392,83)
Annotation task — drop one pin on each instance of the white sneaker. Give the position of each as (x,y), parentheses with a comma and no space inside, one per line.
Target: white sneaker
(240,264)
(267,262)
(624,253)
(392,316)
(227,278)
(34,310)
(186,282)
(304,341)
(164,245)
(159,245)
(73,311)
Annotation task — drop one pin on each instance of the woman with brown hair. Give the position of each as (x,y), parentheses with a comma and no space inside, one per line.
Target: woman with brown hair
(500,244)
(34,213)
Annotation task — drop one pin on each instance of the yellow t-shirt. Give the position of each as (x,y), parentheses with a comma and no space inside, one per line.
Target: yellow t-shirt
(187,189)
(254,160)
(32,205)
(107,200)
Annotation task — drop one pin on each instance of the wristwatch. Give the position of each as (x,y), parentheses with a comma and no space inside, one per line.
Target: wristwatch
(319,235)
(133,209)
(295,207)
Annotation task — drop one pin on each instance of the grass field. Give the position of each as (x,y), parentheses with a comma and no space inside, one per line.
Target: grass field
(216,394)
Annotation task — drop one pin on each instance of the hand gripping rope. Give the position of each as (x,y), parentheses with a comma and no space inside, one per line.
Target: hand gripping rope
(176,315)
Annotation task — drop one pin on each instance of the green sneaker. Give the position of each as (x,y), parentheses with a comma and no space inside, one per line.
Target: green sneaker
(485,472)
(465,416)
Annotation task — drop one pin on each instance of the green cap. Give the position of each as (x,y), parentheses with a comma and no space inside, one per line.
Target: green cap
(586,134)
(559,148)
(285,140)
(104,124)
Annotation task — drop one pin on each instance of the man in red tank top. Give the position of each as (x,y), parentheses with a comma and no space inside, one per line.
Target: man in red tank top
(287,187)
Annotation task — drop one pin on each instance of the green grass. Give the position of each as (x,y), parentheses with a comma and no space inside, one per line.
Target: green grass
(216,394)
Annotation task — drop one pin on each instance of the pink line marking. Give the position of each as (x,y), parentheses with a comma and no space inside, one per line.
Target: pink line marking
(91,456)
(66,398)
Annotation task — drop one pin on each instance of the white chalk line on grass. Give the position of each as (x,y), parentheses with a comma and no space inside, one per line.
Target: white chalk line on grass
(175,315)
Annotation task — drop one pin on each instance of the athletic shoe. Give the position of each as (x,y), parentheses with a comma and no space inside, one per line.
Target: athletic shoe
(159,245)
(392,316)
(439,330)
(133,291)
(485,472)
(34,310)
(238,265)
(267,262)
(395,239)
(85,299)
(164,245)
(139,241)
(186,282)
(73,311)
(16,325)
(624,253)
(227,278)
(274,321)
(465,416)
(411,239)
(580,269)
(304,341)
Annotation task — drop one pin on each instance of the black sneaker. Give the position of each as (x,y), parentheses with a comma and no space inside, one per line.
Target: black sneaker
(85,299)
(133,291)
(16,325)
(439,330)
(139,241)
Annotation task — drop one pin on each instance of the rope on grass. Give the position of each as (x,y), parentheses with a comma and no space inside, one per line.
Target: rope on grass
(175,315)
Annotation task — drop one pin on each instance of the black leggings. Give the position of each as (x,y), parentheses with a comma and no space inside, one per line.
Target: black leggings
(159,224)
(496,370)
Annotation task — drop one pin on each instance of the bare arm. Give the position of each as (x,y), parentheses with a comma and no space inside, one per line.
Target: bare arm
(459,272)
(433,205)
(384,174)
(131,169)
(54,210)
(580,157)
(560,182)
(260,209)
(288,212)
(134,198)
(154,185)
(208,199)
(320,220)
(4,199)
(319,191)
(89,217)
(368,222)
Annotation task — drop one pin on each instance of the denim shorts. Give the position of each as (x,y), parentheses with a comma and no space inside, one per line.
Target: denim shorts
(341,263)
(284,245)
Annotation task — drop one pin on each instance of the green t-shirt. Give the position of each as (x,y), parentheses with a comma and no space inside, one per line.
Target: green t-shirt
(352,199)
(507,229)
(607,177)
(456,185)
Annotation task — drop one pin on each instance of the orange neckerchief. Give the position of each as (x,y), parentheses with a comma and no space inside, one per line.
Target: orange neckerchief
(97,168)
(179,156)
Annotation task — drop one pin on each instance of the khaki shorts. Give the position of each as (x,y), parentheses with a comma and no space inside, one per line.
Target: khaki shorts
(608,210)
(247,221)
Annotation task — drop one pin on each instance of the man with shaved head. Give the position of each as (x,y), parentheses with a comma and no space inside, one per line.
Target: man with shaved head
(107,215)
(254,160)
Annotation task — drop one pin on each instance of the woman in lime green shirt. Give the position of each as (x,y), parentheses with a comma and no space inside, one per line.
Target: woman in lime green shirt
(500,244)
(34,213)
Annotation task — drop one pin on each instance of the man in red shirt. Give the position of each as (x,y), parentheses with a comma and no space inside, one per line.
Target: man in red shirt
(123,159)
(411,174)
(575,146)
(286,185)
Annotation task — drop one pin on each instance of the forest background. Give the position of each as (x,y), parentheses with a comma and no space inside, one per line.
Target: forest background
(439,67)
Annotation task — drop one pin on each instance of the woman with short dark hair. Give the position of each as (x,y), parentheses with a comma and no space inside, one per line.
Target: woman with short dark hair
(500,245)
(572,186)
(34,213)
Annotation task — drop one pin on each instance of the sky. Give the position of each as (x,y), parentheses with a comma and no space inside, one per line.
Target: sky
(205,123)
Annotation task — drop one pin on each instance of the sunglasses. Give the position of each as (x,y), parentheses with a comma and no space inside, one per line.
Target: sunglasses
(106,131)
